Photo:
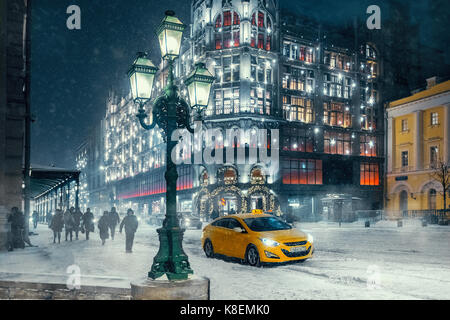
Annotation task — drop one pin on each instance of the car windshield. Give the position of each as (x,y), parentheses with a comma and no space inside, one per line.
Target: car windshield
(266,224)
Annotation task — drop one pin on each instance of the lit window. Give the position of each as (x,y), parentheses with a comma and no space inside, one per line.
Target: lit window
(370,174)
(434,118)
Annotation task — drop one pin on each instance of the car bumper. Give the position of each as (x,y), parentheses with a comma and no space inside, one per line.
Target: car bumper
(284,254)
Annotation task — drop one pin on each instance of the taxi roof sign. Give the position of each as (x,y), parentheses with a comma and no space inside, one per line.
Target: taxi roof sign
(257,211)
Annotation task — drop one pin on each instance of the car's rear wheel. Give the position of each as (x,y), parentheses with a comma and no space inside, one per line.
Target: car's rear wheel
(252,256)
(209,249)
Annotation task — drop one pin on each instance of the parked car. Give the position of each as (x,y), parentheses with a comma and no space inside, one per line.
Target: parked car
(188,220)
(156,219)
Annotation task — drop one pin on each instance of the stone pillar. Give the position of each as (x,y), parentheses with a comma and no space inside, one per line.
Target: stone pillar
(390,144)
(447,134)
(418,141)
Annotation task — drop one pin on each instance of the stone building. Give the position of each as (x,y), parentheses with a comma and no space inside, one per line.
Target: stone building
(12,108)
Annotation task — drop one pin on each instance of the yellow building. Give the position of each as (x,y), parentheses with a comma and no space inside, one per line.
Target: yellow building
(418,135)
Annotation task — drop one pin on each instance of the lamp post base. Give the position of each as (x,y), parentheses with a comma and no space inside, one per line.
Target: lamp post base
(170,259)
(194,288)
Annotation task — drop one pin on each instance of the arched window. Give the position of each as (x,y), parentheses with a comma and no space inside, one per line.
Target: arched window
(227,33)
(257,176)
(261,34)
(254,19)
(432,199)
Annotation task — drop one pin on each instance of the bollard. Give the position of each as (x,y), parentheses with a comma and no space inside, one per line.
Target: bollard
(367,224)
(399,223)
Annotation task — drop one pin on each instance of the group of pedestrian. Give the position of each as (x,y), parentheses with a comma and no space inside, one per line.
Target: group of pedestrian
(109,221)
(74,221)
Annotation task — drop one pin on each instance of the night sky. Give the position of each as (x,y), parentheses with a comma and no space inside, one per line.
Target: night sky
(73,70)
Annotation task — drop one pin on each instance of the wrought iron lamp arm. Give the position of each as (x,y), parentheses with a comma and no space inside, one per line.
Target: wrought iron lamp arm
(142,116)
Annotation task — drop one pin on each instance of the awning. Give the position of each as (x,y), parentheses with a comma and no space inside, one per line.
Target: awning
(44,179)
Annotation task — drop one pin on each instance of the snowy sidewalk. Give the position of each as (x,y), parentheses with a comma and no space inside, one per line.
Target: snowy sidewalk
(350,262)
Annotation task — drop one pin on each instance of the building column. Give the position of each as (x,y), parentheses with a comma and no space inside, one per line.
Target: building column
(447,134)
(390,145)
(418,141)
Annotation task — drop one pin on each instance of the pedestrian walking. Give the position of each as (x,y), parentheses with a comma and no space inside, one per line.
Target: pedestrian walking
(114,220)
(35,217)
(130,222)
(103,227)
(88,225)
(68,224)
(77,216)
(49,217)
(56,224)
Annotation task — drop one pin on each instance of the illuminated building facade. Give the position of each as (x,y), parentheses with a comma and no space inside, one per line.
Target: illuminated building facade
(273,71)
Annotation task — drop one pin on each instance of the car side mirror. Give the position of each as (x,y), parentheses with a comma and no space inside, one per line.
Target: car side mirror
(239,230)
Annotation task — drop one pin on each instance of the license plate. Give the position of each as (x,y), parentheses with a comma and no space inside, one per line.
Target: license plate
(298,249)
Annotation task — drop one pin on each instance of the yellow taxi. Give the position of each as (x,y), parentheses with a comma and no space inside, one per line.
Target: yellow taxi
(256,239)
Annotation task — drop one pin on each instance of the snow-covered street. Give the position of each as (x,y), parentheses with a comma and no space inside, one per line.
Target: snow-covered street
(351,262)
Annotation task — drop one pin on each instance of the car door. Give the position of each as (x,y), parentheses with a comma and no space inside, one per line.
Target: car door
(237,241)
(219,236)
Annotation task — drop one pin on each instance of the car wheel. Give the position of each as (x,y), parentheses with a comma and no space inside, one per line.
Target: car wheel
(252,256)
(209,249)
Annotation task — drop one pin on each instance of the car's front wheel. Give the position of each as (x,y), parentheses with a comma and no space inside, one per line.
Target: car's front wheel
(252,256)
(208,248)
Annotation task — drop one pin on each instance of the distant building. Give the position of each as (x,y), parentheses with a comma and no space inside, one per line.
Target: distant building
(418,137)
(273,71)
(12,109)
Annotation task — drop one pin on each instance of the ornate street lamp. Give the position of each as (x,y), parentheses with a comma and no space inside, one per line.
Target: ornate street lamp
(142,76)
(199,84)
(170,112)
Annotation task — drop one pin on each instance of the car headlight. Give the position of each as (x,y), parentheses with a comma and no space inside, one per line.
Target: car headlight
(310,238)
(270,242)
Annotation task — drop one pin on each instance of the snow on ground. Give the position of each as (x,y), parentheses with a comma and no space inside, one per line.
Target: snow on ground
(350,262)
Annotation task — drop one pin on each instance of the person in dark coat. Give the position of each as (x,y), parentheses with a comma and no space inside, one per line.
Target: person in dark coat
(214,214)
(88,222)
(56,224)
(232,211)
(35,217)
(114,220)
(77,216)
(131,224)
(103,227)
(68,224)
(17,221)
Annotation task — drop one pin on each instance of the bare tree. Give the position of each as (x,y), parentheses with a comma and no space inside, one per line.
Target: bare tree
(441,173)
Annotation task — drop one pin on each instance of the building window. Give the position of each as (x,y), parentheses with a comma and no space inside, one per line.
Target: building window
(302,171)
(218,41)
(434,154)
(260,19)
(298,140)
(405,125)
(337,143)
(368,146)
(405,159)
(434,118)
(370,174)
(337,114)
(227,18)
(236,19)
(254,19)
(261,41)
(219,21)
(298,109)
